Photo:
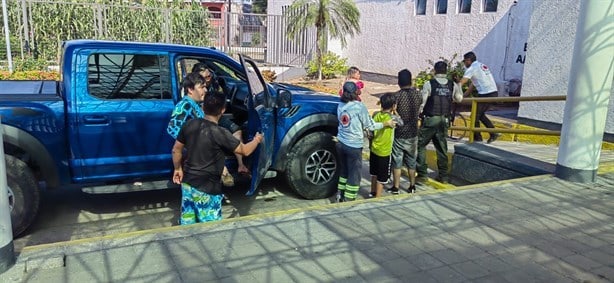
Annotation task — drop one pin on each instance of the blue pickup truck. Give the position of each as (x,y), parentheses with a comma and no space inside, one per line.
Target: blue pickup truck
(102,127)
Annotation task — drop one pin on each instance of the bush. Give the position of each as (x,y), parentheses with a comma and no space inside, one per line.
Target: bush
(31,64)
(269,75)
(332,65)
(456,69)
(30,75)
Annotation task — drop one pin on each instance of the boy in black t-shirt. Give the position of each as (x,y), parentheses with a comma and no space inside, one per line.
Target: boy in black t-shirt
(206,144)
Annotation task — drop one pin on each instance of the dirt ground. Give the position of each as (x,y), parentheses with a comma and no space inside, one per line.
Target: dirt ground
(370,94)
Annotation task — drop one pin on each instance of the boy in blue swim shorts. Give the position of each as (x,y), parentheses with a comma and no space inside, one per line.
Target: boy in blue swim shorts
(206,144)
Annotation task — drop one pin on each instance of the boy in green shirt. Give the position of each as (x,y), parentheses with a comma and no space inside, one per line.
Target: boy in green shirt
(381,146)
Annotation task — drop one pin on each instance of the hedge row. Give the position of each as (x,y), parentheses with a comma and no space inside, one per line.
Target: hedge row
(29,75)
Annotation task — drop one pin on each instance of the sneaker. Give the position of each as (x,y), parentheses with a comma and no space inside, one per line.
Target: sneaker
(493,137)
(412,189)
(339,197)
(371,195)
(393,190)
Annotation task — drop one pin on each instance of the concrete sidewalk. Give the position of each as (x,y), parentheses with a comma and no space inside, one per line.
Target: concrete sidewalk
(536,229)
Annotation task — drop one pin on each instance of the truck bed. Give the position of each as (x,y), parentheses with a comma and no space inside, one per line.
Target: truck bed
(29,90)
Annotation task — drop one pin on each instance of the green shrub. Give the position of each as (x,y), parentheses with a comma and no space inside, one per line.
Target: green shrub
(30,75)
(332,65)
(456,69)
(31,64)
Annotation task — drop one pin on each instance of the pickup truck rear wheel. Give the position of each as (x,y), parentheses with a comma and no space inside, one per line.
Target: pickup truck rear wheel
(24,196)
(311,168)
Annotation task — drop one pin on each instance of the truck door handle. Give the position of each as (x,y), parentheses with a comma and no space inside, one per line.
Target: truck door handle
(96,120)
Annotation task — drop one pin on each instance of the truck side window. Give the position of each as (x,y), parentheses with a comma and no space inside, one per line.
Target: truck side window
(129,76)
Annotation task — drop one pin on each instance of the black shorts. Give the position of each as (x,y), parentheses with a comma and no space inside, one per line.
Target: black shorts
(379,166)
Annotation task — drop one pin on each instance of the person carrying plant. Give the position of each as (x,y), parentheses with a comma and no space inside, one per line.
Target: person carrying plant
(483,80)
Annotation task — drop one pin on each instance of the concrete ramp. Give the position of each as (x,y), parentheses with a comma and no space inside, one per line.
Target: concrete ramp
(480,163)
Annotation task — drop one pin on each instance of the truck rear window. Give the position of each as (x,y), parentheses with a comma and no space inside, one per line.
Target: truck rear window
(129,76)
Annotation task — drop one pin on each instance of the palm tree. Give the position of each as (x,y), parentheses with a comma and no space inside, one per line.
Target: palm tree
(334,18)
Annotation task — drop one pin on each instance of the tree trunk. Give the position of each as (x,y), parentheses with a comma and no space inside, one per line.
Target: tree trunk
(319,52)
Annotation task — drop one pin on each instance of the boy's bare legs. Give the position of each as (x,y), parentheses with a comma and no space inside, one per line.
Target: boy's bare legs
(379,189)
(396,177)
(373,186)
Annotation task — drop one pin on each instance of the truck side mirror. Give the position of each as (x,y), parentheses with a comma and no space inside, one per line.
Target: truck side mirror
(284,98)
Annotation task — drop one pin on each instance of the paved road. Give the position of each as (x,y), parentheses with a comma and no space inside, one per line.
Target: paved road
(70,215)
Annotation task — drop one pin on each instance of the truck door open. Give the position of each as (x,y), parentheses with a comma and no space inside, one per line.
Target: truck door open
(260,119)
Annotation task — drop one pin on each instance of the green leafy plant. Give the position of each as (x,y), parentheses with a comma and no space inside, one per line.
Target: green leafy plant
(52,22)
(456,69)
(332,65)
(31,64)
(30,75)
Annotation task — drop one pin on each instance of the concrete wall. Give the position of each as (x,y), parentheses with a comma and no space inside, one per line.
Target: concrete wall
(393,37)
(548,63)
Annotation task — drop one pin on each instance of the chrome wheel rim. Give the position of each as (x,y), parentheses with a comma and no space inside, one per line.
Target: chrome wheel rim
(11,199)
(320,167)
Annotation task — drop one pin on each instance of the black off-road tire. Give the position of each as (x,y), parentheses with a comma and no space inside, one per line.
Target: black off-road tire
(313,153)
(25,194)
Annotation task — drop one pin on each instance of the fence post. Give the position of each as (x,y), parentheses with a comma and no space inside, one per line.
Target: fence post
(7,250)
(9,56)
(472,118)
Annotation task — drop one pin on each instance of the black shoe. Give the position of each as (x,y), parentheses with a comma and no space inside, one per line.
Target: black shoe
(371,195)
(443,180)
(493,137)
(412,189)
(393,190)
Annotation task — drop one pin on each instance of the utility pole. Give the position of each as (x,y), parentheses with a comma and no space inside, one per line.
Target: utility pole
(7,250)
(588,93)
(228,21)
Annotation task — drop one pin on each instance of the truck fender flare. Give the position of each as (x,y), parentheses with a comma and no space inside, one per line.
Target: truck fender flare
(39,154)
(298,130)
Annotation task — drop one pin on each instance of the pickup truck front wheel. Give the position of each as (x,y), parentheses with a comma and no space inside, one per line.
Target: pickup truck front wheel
(311,168)
(24,196)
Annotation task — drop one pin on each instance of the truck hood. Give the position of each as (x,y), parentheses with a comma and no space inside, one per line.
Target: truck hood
(303,93)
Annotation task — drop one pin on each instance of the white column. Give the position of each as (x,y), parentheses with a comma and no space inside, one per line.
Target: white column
(7,252)
(589,91)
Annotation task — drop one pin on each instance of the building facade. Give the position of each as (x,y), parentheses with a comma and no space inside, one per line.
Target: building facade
(505,34)
(407,34)
(548,64)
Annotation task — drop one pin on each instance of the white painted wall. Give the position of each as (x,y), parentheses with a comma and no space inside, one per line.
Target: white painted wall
(394,38)
(548,63)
